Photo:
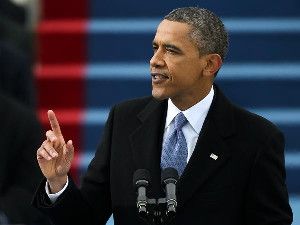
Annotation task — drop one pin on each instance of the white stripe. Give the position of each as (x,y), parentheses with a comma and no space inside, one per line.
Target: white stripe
(118,70)
(85,158)
(233,71)
(96,116)
(292,159)
(233,25)
(276,115)
(263,25)
(250,71)
(138,25)
(279,116)
(295,205)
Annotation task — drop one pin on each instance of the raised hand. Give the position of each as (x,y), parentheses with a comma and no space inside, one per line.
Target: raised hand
(55,155)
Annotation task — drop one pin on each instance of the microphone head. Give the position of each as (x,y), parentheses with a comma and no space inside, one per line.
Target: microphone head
(141,177)
(169,174)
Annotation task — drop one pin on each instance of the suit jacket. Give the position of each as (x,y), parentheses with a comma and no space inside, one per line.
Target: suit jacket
(16,79)
(244,186)
(20,135)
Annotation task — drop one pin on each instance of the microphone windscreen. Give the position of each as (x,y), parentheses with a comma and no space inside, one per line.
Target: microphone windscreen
(141,174)
(169,173)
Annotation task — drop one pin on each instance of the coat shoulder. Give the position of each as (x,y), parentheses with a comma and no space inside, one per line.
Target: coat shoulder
(134,106)
(256,125)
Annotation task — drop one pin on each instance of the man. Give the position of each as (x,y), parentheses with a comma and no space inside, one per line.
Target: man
(21,134)
(230,161)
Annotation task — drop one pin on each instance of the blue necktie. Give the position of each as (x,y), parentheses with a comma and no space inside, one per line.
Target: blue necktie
(174,151)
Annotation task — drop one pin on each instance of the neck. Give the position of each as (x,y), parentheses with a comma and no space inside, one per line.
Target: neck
(185,102)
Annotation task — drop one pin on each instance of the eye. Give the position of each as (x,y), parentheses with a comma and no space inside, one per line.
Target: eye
(171,50)
(154,48)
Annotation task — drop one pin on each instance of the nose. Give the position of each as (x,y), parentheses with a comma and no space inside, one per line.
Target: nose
(157,59)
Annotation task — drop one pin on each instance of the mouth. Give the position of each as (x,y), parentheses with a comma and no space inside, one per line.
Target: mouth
(158,78)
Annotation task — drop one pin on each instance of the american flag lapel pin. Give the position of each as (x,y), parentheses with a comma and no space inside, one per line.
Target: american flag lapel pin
(213,156)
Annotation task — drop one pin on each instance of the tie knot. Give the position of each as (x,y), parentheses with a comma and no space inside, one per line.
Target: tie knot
(180,121)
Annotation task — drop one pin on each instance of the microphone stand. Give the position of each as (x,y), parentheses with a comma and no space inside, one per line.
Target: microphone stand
(156,212)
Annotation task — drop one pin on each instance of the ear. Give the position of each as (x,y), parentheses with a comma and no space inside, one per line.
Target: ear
(213,64)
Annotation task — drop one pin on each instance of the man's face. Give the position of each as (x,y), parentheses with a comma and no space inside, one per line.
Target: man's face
(176,66)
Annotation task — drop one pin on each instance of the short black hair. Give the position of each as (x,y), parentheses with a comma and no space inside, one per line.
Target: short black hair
(208,31)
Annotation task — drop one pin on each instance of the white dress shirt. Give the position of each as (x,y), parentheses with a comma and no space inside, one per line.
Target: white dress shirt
(54,196)
(195,116)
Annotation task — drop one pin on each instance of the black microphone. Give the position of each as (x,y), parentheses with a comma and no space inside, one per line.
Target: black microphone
(141,179)
(169,177)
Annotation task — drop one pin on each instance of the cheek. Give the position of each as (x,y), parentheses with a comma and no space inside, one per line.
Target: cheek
(184,75)
(184,70)
(177,71)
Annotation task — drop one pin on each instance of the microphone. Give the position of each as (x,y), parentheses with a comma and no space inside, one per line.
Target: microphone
(141,179)
(169,177)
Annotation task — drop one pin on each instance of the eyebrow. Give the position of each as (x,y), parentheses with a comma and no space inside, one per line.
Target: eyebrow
(170,46)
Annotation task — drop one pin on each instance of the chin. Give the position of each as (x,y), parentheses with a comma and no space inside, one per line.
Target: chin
(159,96)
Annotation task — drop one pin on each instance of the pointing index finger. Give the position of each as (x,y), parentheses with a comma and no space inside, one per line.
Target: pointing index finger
(54,123)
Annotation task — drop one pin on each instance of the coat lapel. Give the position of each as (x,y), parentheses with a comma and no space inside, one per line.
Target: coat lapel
(203,164)
(146,142)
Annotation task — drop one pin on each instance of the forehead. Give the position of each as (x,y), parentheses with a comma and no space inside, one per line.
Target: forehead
(172,31)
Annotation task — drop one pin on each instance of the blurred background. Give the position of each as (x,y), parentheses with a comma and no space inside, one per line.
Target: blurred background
(87,55)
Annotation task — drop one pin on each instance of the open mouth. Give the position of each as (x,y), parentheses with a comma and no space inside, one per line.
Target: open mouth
(159,77)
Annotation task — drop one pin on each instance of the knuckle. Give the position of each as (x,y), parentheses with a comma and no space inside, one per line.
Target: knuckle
(44,153)
(39,150)
(46,148)
(41,153)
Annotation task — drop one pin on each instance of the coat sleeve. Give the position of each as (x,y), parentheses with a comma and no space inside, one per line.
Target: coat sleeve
(267,197)
(91,204)
(23,135)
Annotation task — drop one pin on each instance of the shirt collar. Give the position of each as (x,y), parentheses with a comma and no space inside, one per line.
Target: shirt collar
(194,114)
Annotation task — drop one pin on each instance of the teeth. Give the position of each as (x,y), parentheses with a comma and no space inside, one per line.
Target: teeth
(157,76)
